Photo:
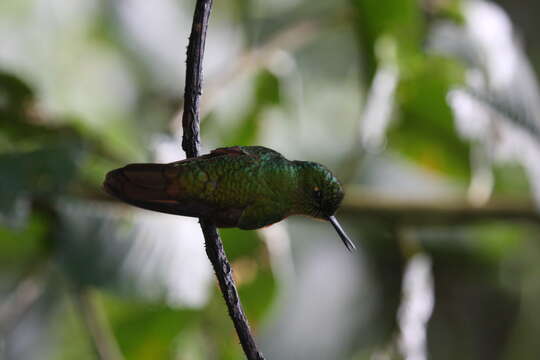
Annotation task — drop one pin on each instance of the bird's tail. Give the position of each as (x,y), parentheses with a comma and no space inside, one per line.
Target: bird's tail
(142,185)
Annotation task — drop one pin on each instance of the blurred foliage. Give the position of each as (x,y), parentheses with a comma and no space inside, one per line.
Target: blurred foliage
(267,93)
(87,86)
(428,119)
(23,244)
(401,20)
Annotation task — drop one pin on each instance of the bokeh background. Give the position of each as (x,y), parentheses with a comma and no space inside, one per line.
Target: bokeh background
(428,110)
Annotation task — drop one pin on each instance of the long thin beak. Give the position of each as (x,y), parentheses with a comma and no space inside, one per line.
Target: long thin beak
(348,243)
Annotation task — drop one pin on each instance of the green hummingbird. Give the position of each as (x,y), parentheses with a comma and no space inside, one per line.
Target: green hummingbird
(248,187)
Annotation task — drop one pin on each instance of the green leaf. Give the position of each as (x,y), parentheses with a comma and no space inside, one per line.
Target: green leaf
(21,245)
(267,89)
(267,94)
(46,172)
(147,332)
(240,243)
(425,131)
(258,295)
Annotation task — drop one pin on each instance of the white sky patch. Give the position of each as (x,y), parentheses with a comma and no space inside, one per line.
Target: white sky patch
(500,108)
(168,253)
(381,97)
(416,307)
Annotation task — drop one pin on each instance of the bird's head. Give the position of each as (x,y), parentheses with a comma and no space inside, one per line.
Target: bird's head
(321,192)
(321,195)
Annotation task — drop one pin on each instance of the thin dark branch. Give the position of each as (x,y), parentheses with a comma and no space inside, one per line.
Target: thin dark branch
(193,87)
(190,144)
(101,336)
(223,270)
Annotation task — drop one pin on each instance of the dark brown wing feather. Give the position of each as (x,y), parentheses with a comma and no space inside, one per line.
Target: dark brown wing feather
(229,151)
(145,186)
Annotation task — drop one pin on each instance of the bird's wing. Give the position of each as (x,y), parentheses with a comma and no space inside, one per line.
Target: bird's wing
(148,186)
(259,151)
(227,151)
(152,186)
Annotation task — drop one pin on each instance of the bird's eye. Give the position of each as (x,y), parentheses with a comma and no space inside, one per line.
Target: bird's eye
(317,194)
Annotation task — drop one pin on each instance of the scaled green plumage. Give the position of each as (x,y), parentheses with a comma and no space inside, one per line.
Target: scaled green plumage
(244,186)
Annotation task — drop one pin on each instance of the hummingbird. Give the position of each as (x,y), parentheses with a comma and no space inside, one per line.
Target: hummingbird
(248,187)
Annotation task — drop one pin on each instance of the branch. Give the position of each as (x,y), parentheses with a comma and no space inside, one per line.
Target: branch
(190,144)
(19,301)
(435,210)
(520,116)
(100,333)
(250,61)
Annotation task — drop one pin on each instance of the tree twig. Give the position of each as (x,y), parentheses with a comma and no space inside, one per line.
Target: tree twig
(190,144)
(101,336)
(435,210)
(19,301)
